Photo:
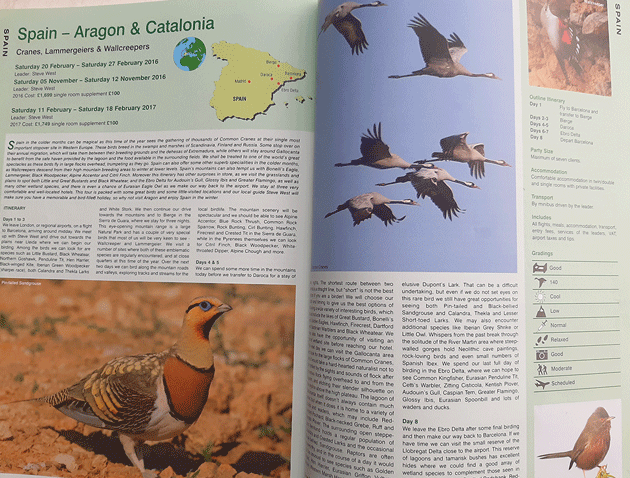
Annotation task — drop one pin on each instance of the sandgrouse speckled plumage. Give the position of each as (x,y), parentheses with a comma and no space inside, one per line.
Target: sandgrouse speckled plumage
(153,396)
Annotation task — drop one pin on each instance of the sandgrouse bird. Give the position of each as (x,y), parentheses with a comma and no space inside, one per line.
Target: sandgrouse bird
(153,396)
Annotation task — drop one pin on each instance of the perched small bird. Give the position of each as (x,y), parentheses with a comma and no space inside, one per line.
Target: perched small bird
(154,396)
(362,207)
(592,444)
(349,25)
(375,153)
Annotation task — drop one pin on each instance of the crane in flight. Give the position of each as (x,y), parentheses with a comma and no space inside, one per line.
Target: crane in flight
(441,56)
(430,181)
(363,206)
(348,25)
(375,153)
(455,148)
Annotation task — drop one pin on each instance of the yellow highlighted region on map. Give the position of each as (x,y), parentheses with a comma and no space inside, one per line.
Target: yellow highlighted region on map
(249,80)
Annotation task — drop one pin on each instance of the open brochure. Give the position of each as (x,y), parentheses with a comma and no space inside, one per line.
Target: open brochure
(352,240)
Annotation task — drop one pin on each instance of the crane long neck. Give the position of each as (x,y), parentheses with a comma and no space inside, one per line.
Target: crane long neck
(468,184)
(401,179)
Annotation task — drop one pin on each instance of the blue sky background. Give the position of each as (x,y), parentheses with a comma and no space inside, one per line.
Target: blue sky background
(354,92)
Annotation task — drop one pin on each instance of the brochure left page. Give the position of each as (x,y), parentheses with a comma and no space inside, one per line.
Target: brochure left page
(156,200)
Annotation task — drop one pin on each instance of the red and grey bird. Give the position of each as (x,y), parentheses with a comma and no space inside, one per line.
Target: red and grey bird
(564,39)
(592,445)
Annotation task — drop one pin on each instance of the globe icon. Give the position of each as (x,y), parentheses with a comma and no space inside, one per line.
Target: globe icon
(189,54)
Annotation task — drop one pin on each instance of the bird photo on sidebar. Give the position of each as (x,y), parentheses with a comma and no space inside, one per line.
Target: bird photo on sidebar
(150,397)
(592,445)
(569,45)
(363,206)
(440,55)
(564,39)
(348,25)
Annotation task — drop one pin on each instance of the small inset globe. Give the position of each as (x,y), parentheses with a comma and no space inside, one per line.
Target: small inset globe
(189,54)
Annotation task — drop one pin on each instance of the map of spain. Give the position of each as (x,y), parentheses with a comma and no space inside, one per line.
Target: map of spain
(248,82)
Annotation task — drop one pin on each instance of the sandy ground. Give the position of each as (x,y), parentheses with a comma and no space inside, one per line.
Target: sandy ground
(53,334)
(544,69)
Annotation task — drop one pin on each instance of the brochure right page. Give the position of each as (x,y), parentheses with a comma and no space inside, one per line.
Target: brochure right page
(467,279)
(575,222)
(417,339)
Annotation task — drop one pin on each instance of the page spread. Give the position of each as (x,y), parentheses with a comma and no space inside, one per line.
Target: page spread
(156,164)
(376,239)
